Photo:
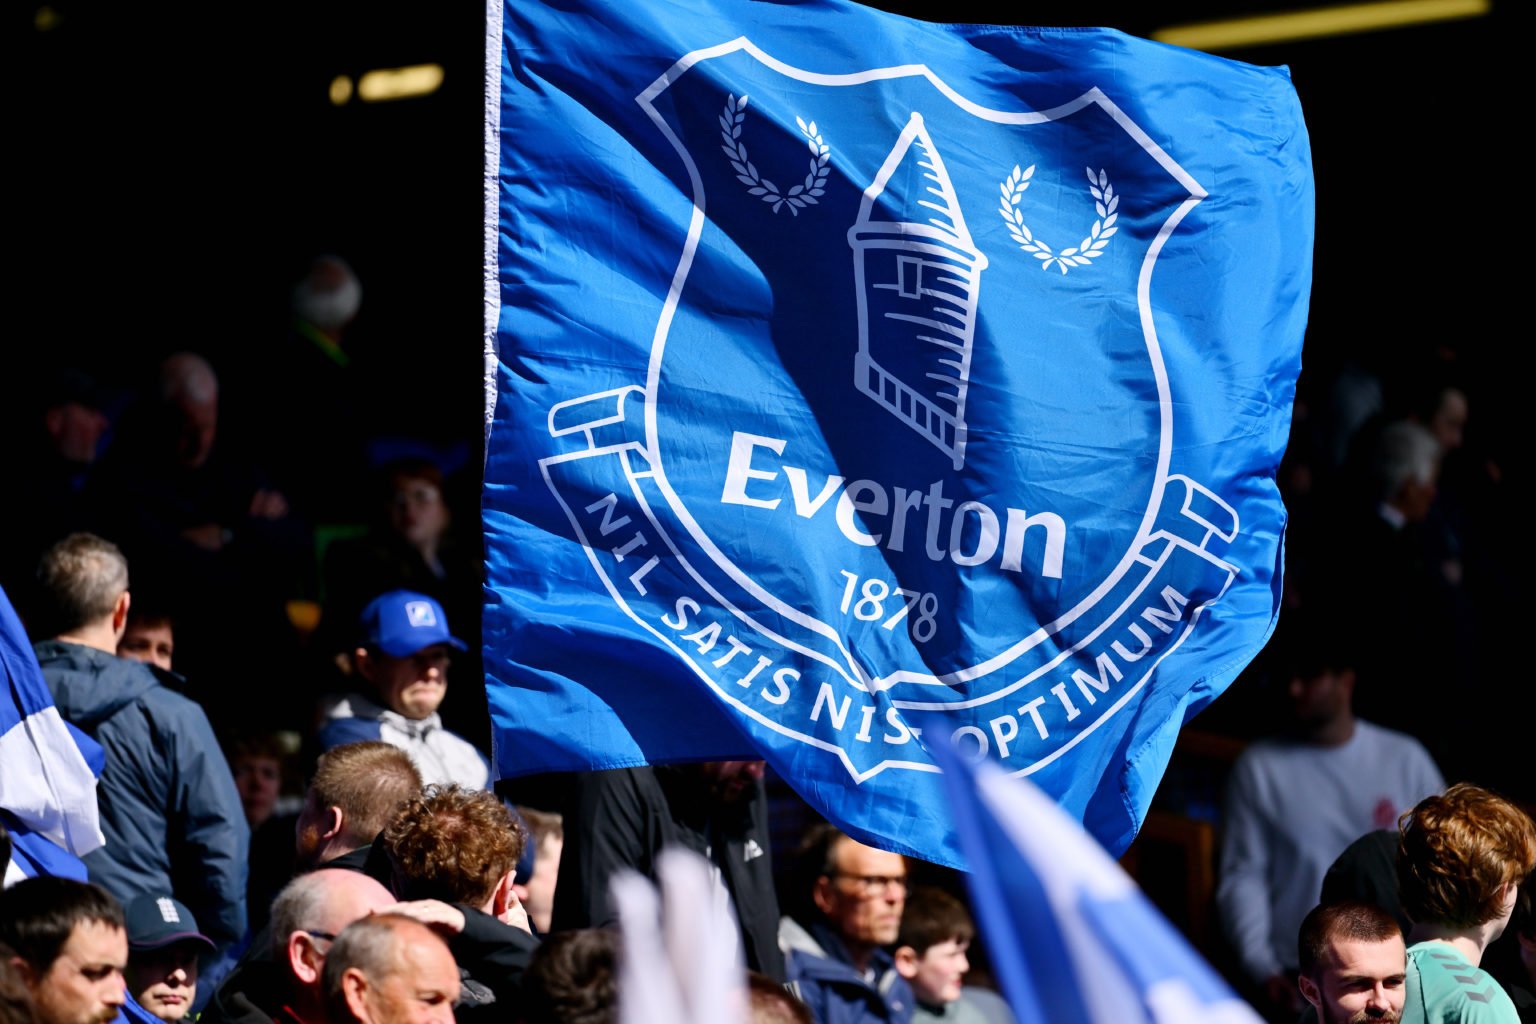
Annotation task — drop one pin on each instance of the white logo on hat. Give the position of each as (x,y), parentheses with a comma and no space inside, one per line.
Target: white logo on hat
(420,613)
(168,910)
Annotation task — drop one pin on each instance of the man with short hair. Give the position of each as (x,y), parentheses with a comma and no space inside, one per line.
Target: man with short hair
(1294,802)
(838,964)
(356,790)
(306,918)
(150,637)
(536,891)
(1461,859)
(69,947)
(169,810)
(404,658)
(1353,963)
(390,969)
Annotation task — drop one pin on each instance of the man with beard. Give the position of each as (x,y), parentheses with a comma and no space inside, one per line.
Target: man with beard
(1353,963)
(70,948)
(1295,802)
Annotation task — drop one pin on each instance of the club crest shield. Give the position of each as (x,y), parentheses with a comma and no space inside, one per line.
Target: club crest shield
(840,406)
(895,514)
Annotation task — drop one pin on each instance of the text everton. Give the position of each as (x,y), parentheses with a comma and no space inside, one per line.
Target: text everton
(896,518)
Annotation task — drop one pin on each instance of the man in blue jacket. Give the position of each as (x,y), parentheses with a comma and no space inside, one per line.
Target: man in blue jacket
(837,946)
(169,810)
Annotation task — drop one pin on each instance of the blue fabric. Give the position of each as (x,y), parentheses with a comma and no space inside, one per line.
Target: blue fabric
(133,1013)
(839,404)
(36,856)
(48,768)
(822,976)
(337,731)
(1069,935)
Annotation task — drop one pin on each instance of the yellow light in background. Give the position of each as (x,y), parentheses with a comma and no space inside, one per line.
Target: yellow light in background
(45,19)
(1320,22)
(399,83)
(341,90)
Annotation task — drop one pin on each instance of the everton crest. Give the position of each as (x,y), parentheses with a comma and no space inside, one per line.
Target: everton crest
(906,458)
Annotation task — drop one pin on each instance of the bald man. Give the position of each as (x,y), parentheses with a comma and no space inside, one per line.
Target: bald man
(307,916)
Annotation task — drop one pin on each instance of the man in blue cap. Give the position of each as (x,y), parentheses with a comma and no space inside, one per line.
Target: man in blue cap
(163,947)
(404,659)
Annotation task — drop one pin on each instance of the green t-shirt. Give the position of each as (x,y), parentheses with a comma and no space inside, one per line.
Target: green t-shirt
(1443,987)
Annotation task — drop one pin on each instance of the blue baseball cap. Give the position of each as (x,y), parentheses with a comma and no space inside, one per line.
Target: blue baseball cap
(156,920)
(402,622)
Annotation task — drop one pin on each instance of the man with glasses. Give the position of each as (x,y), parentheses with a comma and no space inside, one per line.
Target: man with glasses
(404,657)
(306,918)
(838,960)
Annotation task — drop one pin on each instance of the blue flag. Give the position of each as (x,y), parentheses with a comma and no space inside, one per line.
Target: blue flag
(856,383)
(47,783)
(1070,935)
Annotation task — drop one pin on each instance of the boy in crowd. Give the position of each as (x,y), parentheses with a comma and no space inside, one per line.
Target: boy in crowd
(1461,858)
(936,931)
(163,947)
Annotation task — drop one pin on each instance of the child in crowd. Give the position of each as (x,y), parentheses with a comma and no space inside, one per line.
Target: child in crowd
(936,931)
(163,948)
(150,637)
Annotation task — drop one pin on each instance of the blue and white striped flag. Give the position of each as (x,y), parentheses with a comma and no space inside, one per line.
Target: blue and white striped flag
(46,784)
(1070,935)
(856,382)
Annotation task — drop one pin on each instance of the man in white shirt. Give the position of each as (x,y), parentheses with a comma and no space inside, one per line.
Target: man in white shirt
(1294,803)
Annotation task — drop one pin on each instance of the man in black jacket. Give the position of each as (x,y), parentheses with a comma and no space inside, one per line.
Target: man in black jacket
(624,817)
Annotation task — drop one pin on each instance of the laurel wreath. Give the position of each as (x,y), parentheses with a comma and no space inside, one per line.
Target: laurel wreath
(1105,203)
(797,198)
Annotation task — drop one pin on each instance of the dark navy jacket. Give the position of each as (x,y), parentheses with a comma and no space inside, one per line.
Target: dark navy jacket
(169,809)
(821,974)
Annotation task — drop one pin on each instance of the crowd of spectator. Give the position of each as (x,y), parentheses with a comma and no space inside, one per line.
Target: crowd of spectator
(255,607)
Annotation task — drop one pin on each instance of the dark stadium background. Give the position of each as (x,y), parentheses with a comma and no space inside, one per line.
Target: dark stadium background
(173,165)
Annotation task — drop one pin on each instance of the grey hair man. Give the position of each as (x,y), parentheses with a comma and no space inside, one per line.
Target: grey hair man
(390,969)
(838,963)
(1405,469)
(164,775)
(307,916)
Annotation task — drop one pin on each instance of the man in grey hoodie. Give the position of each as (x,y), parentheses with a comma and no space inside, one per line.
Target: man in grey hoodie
(169,810)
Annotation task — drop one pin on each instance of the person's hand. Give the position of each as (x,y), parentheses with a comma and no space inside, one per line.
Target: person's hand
(516,915)
(433,913)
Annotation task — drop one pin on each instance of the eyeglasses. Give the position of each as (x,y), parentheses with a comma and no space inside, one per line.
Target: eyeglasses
(312,933)
(873,885)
